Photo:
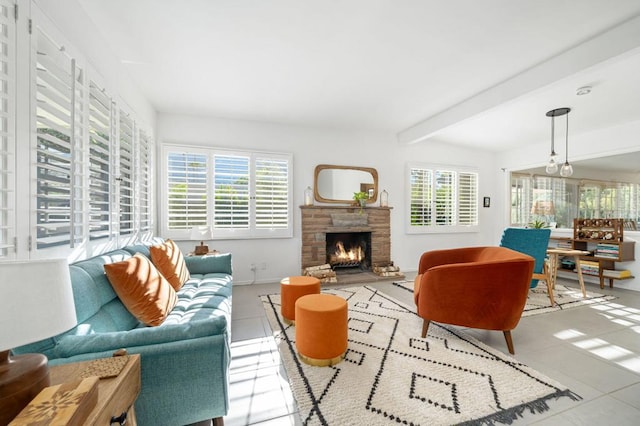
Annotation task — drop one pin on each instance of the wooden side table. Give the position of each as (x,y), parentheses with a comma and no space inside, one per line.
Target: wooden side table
(554,253)
(116,395)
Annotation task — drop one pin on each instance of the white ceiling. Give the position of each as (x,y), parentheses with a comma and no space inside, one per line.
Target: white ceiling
(475,73)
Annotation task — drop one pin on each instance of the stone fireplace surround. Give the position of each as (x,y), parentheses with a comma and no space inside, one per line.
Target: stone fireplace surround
(317,221)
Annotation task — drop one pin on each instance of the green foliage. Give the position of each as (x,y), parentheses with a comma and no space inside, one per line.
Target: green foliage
(538,224)
(360,196)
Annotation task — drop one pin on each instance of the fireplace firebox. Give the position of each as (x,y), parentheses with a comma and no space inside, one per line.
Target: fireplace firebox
(349,250)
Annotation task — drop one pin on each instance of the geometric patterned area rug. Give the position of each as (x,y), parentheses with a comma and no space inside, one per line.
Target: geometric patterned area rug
(538,299)
(392,376)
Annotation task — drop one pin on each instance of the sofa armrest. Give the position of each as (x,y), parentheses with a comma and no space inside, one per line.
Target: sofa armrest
(209,264)
(72,345)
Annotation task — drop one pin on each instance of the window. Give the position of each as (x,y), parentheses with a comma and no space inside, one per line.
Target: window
(99,162)
(237,194)
(7,136)
(554,199)
(443,199)
(56,76)
(125,175)
(144,189)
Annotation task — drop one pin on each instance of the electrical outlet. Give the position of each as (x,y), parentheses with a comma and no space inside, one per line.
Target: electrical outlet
(253,267)
(263,265)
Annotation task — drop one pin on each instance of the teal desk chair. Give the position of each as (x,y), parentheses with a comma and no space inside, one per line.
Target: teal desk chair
(533,242)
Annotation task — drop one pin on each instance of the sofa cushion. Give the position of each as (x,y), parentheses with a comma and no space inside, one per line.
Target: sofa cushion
(169,260)
(142,289)
(220,263)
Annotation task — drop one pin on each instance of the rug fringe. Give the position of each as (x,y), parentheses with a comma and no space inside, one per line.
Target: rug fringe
(512,414)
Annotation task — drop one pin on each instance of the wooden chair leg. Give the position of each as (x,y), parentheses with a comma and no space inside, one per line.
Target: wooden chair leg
(218,421)
(425,327)
(507,337)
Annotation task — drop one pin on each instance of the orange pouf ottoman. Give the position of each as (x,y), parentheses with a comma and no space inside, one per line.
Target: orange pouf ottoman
(291,288)
(321,329)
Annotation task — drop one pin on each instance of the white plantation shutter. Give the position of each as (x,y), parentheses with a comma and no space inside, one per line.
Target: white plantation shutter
(421,184)
(467,198)
(231,192)
(445,199)
(521,198)
(7,136)
(144,187)
(100,169)
(186,190)
(125,174)
(54,100)
(272,196)
(238,194)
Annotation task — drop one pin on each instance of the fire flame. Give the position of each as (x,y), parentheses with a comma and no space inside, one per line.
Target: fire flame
(352,255)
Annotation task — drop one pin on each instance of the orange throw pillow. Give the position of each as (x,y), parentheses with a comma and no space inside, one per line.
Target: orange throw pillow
(146,294)
(170,262)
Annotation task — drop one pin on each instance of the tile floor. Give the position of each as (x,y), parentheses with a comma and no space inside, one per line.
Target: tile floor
(594,350)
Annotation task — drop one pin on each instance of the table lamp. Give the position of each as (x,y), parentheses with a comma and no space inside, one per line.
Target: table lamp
(201,233)
(36,302)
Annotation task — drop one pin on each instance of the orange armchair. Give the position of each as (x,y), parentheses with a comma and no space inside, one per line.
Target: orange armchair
(476,287)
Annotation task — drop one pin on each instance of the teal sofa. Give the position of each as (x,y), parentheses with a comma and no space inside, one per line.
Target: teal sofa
(184,361)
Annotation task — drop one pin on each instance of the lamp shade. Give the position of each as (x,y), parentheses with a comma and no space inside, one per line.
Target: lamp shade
(36,301)
(543,208)
(200,233)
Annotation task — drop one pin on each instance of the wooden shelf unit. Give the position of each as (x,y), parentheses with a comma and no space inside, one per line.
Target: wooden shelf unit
(604,239)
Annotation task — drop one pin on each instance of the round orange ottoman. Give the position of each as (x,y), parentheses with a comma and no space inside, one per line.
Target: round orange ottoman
(321,329)
(291,288)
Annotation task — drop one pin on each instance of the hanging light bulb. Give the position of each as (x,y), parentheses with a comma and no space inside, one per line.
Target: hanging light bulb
(552,166)
(566,169)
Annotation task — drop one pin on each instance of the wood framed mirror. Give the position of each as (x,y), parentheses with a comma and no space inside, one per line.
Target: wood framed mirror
(337,184)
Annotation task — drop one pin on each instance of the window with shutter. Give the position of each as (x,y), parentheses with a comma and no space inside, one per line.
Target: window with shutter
(186,190)
(54,110)
(272,193)
(100,169)
(237,194)
(144,188)
(125,174)
(467,198)
(442,200)
(7,136)
(231,192)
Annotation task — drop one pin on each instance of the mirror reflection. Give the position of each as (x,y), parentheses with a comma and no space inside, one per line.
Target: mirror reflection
(337,184)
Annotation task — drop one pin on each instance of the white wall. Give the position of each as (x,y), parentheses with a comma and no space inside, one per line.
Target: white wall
(614,140)
(312,146)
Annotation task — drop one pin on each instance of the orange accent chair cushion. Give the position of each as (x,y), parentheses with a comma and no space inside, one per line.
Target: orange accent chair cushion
(477,287)
(142,289)
(291,289)
(169,260)
(321,326)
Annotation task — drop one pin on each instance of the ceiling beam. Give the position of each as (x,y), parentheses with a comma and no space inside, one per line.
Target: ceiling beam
(617,41)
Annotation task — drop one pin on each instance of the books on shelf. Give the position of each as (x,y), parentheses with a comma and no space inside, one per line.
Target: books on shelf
(608,250)
(611,273)
(589,267)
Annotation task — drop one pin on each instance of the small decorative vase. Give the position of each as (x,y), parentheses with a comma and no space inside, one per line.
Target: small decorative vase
(384,198)
(308,196)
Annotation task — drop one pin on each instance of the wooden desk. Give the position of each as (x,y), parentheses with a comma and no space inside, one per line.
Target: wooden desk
(116,395)
(555,253)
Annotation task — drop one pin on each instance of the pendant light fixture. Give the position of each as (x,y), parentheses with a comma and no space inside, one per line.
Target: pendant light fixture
(552,166)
